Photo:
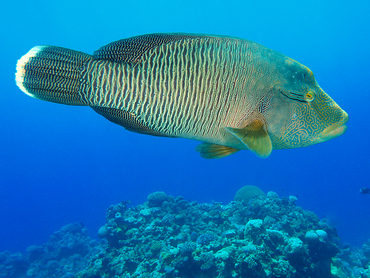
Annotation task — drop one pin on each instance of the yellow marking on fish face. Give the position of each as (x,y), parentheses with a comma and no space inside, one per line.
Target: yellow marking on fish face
(309,96)
(290,61)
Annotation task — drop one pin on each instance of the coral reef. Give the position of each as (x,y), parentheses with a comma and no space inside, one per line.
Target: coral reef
(62,256)
(171,237)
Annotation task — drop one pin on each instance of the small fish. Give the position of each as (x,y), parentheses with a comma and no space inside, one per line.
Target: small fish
(365,190)
(232,94)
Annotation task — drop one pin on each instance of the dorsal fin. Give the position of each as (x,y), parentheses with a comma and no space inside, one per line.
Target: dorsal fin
(128,120)
(131,49)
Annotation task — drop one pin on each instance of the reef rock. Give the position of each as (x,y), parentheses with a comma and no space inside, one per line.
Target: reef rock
(264,238)
(171,238)
(65,254)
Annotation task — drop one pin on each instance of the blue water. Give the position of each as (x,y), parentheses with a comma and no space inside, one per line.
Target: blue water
(60,164)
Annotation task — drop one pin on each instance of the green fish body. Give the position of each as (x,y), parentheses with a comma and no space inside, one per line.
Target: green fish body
(230,93)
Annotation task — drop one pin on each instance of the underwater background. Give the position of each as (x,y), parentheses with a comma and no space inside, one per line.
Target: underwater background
(61,164)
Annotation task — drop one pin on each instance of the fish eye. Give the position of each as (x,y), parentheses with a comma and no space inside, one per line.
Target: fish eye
(309,96)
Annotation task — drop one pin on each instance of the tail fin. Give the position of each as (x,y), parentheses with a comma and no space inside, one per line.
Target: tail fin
(52,73)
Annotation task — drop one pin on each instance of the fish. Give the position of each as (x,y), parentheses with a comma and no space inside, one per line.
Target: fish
(365,190)
(229,93)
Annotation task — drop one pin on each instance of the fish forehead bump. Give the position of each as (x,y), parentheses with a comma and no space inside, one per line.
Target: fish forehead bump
(297,75)
(292,62)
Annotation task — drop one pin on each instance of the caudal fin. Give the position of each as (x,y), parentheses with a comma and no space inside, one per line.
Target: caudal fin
(52,73)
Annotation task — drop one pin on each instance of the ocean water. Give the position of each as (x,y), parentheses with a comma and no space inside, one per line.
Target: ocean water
(61,164)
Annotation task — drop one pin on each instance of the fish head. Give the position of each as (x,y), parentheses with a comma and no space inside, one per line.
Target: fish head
(302,113)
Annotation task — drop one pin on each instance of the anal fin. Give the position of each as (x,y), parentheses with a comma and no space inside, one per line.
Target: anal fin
(255,137)
(208,150)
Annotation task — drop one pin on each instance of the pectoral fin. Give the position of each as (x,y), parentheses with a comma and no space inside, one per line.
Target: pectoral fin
(255,137)
(207,150)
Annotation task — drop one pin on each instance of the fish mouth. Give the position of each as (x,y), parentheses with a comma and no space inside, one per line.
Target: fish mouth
(335,130)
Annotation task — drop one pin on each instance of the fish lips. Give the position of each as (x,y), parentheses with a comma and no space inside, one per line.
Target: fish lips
(334,130)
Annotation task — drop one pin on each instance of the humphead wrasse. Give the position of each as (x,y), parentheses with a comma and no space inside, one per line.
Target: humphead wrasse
(232,94)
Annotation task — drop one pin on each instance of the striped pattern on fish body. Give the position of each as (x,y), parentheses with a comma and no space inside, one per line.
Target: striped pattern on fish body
(230,93)
(189,88)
